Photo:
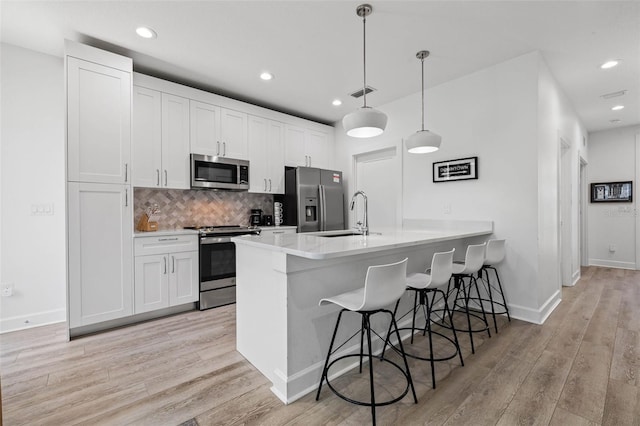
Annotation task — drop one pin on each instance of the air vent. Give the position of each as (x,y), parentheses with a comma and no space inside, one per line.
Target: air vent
(358,93)
(614,94)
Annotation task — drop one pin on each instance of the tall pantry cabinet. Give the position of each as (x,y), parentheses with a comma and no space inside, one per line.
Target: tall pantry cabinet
(99,192)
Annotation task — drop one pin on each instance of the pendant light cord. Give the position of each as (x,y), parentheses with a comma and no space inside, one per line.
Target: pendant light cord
(364,59)
(422,94)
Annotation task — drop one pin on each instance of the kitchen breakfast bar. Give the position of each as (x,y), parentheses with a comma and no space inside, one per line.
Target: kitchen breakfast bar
(281,329)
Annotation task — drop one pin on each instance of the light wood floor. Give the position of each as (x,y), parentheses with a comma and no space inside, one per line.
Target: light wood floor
(580,368)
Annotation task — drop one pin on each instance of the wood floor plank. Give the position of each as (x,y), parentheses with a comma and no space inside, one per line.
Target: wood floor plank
(625,365)
(535,401)
(621,405)
(585,391)
(562,417)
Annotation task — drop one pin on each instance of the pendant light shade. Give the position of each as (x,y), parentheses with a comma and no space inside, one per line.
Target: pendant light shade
(365,122)
(423,141)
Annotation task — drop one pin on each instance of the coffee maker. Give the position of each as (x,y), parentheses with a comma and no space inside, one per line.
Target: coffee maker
(256,217)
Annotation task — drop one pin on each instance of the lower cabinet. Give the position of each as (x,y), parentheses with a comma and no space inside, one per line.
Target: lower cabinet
(166,272)
(99,248)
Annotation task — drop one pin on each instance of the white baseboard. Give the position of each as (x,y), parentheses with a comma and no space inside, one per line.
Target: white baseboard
(32,320)
(612,264)
(536,316)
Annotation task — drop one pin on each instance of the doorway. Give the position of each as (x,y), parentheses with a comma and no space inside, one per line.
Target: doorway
(378,174)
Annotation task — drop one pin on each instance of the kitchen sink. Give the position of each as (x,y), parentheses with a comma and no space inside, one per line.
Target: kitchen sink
(331,234)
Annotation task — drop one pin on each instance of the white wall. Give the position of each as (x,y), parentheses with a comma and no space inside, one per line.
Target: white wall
(33,247)
(556,120)
(613,157)
(492,114)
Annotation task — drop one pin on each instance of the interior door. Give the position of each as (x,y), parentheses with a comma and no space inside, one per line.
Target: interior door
(378,174)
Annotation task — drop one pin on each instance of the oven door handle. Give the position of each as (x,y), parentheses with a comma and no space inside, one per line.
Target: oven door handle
(214,240)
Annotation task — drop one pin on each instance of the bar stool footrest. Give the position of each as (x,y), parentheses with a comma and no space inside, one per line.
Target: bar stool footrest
(367,403)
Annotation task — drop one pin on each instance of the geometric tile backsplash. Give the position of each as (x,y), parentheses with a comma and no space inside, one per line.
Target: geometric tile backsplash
(180,208)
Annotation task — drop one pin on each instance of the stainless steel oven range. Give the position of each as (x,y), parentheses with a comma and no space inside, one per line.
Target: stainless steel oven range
(218,264)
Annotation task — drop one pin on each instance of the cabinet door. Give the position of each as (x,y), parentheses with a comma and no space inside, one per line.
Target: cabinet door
(275,156)
(205,128)
(183,277)
(233,134)
(147,138)
(258,149)
(319,149)
(294,149)
(151,283)
(100,252)
(175,142)
(98,123)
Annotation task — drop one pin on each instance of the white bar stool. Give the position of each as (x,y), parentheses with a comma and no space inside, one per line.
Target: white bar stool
(494,255)
(473,262)
(383,286)
(433,281)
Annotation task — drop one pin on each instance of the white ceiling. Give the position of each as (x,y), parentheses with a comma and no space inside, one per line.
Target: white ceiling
(314,48)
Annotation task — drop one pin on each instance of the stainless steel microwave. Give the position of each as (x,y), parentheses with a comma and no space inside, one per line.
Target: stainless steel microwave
(214,172)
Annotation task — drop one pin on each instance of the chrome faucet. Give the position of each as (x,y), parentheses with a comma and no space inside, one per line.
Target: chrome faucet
(363,226)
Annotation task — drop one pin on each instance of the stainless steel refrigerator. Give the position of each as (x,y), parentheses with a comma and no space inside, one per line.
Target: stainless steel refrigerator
(314,199)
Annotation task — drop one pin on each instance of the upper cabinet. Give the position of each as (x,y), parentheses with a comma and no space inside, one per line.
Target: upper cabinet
(266,155)
(98,122)
(218,131)
(160,139)
(308,147)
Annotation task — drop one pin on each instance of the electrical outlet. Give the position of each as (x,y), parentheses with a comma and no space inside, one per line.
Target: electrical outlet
(447,208)
(612,248)
(6,289)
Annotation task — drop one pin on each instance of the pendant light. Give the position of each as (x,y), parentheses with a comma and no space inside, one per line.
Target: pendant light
(365,122)
(423,141)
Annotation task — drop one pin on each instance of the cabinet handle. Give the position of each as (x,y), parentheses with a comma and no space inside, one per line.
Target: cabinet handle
(126,197)
(157,177)
(278,232)
(218,148)
(168,239)
(269,185)
(306,161)
(164,262)
(309,161)
(265,184)
(224,149)
(166,180)
(173,264)
(126,172)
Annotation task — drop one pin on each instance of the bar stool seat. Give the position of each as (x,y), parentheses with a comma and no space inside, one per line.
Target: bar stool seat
(384,285)
(432,282)
(474,260)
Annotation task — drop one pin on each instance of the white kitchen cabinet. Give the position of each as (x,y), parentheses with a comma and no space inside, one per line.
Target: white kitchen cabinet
(218,131)
(98,122)
(166,272)
(176,165)
(308,147)
(160,140)
(266,155)
(100,252)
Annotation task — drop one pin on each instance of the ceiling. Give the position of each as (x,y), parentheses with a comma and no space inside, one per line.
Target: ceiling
(314,48)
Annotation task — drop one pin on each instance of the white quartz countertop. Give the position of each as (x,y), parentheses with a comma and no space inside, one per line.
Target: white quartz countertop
(313,246)
(165,232)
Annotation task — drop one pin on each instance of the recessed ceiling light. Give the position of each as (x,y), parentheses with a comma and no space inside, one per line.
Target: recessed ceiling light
(609,64)
(336,102)
(615,121)
(266,76)
(146,32)
(617,108)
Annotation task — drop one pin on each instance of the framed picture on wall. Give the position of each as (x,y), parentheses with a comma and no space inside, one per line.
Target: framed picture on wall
(607,192)
(461,169)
